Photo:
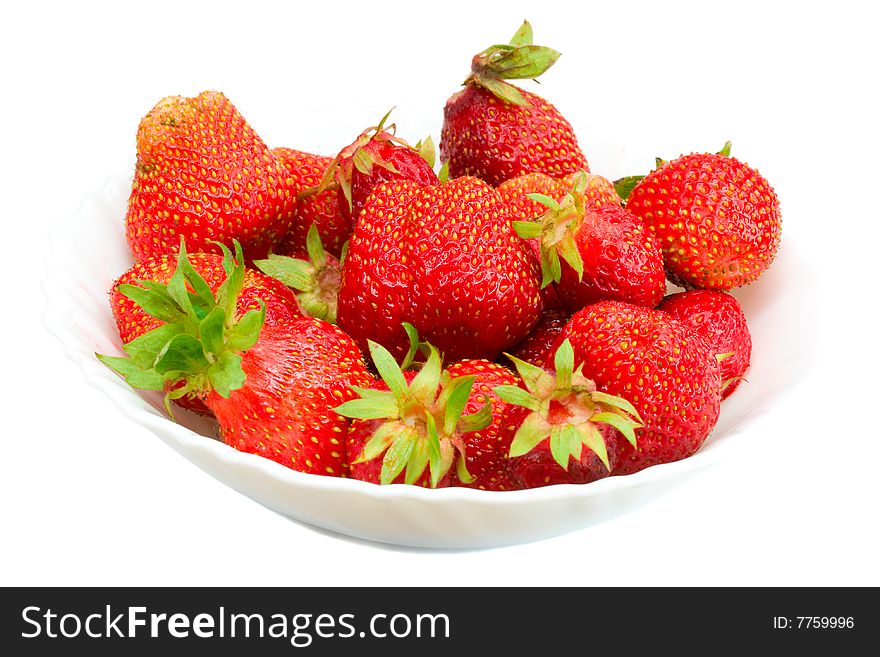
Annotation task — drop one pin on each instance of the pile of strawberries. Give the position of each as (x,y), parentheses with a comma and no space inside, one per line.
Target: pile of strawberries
(500,325)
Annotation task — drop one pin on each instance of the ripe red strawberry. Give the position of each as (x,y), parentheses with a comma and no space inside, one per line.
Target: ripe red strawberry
(410,428)
(296,373)
(717,318)
(522,208)
(597,192)
(486,449)
(669,375)
(203,174)
(496,131)
(717,219)
(272,387)
(133,322)
(548,424)
(538,345)
(366,467)
(445,259)
(595,254)
(320,209)
(378,155)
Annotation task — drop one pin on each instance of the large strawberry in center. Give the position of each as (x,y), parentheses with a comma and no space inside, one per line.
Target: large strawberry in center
(445,259)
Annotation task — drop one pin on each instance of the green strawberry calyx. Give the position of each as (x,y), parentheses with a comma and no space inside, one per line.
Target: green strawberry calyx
(443,174)
(624,186)
(426,148)
(421,420)
(198,348)
(356,156)
(556,230)
(565,407)
(315,280)
(517,60)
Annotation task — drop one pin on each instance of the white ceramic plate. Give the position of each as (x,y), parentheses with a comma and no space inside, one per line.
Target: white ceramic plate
(88,251)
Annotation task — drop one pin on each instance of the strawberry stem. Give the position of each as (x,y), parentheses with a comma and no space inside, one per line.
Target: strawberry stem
(517,60)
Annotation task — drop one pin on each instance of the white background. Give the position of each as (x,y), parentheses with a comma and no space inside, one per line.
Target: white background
(89,498)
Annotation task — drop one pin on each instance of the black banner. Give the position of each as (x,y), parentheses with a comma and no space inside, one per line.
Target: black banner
(429,621)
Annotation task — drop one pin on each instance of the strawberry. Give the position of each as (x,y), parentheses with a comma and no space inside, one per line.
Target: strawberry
(444,258)
(366,467)
(316,279)
(486,449)
(376,156)
(670,376)
(522,208)
(598,191)
(203,174)
(548,424)
(271,386)
(595,254)
(295,375)
(132,321)
(717,318)
(409,427)
(717,219)
(319,209)
(538,345)
(496,131)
